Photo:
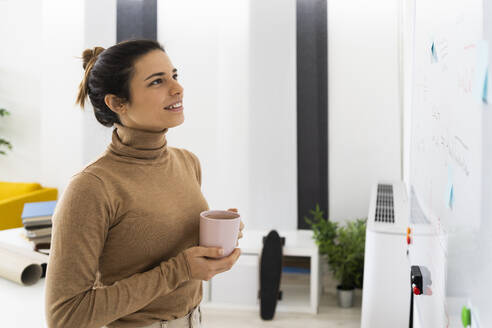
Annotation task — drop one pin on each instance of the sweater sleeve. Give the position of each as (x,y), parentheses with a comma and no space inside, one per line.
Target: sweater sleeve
(80,227)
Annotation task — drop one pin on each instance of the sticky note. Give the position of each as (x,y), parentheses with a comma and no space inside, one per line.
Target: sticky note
(480,81)
(485,88)
(449,196)
(433,53)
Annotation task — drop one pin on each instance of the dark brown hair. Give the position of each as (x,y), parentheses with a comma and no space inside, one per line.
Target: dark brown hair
(109,71)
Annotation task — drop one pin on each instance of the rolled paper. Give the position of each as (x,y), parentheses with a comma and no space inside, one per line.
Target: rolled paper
(21,265)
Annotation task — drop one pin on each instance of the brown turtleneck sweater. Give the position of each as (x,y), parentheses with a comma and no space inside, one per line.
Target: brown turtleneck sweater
(127,217)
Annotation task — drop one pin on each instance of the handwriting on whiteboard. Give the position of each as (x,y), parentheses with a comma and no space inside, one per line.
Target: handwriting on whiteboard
(456,150)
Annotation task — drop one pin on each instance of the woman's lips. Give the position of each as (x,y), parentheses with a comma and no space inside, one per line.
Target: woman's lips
(177,109)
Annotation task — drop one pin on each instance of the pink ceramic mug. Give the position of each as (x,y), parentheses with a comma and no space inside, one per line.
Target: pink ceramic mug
(219,229)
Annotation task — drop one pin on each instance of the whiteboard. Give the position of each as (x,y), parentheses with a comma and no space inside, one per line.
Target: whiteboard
(450,161)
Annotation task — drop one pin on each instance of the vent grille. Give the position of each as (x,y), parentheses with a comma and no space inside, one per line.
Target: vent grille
(385,211)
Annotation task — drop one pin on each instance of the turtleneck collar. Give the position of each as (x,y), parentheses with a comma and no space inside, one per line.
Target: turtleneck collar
(138,144)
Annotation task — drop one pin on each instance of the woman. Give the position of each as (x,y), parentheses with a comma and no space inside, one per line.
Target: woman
(125,232)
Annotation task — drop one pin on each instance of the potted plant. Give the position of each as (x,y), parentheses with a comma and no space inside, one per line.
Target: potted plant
(344,250)
(3,142)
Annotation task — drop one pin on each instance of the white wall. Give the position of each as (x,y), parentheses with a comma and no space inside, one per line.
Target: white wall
(407,40)
(61,128)
(236,61)
(52,138)
(20,88)
(273,114)
(99,30)
(364,111)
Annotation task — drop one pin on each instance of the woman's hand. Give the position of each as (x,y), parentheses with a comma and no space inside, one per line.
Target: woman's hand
(204,262)
(241,226)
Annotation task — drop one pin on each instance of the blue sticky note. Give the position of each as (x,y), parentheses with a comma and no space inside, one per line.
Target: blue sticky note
(433,53)
(480,81)
(485,88)
(449,196)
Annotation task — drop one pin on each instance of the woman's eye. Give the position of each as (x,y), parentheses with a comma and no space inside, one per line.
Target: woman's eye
(175,76)
(155,81)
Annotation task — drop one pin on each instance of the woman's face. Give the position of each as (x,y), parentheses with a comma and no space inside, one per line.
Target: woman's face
(153,87)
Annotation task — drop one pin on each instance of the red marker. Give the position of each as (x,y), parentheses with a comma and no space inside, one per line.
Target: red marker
(409,240)
(416,290)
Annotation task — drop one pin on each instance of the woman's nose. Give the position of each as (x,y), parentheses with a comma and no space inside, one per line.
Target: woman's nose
(176,89)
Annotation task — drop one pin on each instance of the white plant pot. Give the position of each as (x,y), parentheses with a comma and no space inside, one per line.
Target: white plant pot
(345,297)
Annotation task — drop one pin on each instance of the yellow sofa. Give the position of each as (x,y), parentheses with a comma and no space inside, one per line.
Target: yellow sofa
(14,195)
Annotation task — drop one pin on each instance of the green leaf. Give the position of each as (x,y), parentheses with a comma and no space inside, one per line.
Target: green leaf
(343,245)
(3,142)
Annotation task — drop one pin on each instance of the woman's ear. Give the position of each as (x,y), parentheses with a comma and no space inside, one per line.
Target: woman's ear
(115,103)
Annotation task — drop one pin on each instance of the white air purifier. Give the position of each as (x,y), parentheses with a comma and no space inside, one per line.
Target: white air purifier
(386,283)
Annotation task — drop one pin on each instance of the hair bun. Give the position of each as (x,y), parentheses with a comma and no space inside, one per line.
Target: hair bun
(90,55)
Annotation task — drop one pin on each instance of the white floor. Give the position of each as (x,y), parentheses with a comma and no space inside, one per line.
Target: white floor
(330,315)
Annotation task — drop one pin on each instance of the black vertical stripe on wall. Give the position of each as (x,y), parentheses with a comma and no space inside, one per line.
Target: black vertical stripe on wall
(312,108)
(136,20)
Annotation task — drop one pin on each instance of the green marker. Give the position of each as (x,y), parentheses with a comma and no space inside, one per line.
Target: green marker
(465,316)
